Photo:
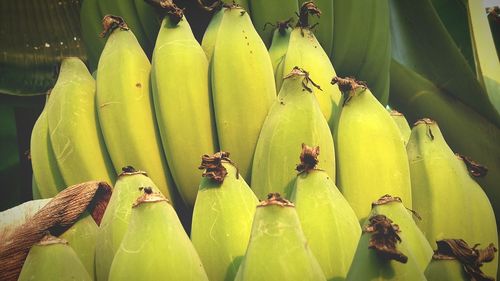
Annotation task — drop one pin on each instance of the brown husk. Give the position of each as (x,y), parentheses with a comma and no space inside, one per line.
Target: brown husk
(308,158)
(275,199)
(384,237)
(212,164)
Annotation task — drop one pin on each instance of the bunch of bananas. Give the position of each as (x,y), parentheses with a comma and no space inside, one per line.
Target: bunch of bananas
(347,190)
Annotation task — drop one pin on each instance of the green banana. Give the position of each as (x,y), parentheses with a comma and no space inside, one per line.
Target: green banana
(278,249)
(413,239)
(155,246)
(380,257)
(267,13)
(239,59)
(116,218)
(210,35)
(43,161)
(438,176)
(329,223)
(323,25)
(368,140)
(222,217)
(91,26)
(125,107)
(34,189)
(73,128)
(150,19)
(179,76)
(278,49)
(81,237)
(362,44)
(294,119)
(457,261)
(402,123)
(53,259)
(304,51)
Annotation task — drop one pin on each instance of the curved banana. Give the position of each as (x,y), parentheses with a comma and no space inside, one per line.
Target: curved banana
(155,246)
(330,225)
(265,14)
(91,26)
(222,217)
(278,249)
(293,120)
(125,107)
(179,76)
(402,123)
(242,86)
(73,127)
(368,140)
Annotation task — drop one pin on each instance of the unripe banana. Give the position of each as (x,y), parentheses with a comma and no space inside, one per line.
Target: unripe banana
(330,225)
(457,261)
(43,161)
(403,126)
(413,239)
(278,49)
(179,76)
(116,218)
(210,35)
(305,51)
(155,246)
(294,119)
(81,237)
(73,128)
(278,249)
(368,140)
(380,257)
(34,189)
(242,86)
(52,259)
(125,107)
(267,13)
(323,25)
(222,217)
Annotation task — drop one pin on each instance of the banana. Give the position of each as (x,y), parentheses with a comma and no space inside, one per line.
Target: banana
(81,237)
(34,189)
(53,259)
(278,249)
(362,44)
(267,13)
(91,26)
(155,246)
(323,25)
(294,119)
(210,35)
(418,246)
(125,107)
(73,128)
(150,19)
(403,126)
(438,176)
(222,217)
(380,257)
(329,223)
(305,51)
(243,86)
(179,75)
(368,140)
(455,260)
(278,49)
(116,218)
(43,161)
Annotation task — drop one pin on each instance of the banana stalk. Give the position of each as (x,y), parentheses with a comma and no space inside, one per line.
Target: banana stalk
(293,120)
(222,217)
(329,223)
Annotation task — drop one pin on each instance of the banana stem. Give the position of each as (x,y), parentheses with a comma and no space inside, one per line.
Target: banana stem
(307,8)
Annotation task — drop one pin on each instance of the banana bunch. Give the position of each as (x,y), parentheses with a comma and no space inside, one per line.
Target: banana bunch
(329,223)
(368,140)
(440,179)
(278,249)
(242,82)
(53,259)
(381,255)
(294,118)
(155,245)
(299,47)
(222,217)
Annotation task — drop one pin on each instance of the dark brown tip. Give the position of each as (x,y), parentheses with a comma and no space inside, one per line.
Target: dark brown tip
(348,86)
(297,71)
(308,158)
(475,169)
(384,237)
(386,199)
(275,199)
(169,8)
(212,164)
(471,258)
(307,8)
(110,23)
(148,196)
(129,171)
(426,121)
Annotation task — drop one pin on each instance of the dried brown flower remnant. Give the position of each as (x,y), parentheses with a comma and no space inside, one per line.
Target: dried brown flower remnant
(384,238)
(212,164)
(110,23)
(275,198)
(307,8)
(471,258)
(475,169)
(347,86)
(308,158)
(297,71)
